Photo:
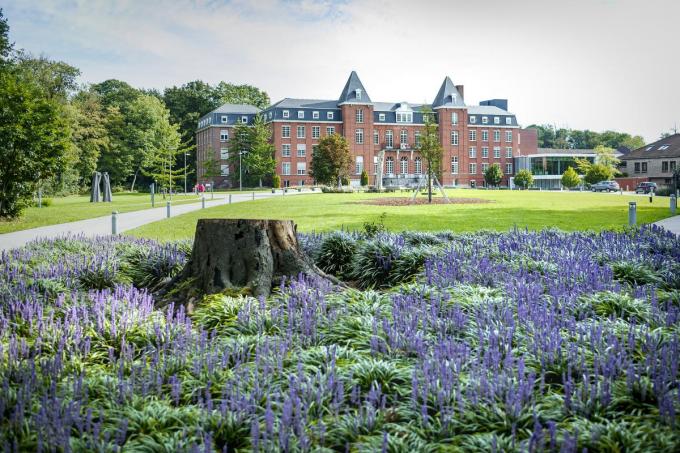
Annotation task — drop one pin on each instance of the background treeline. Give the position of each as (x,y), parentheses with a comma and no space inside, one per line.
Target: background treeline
(550,136)
(55,132)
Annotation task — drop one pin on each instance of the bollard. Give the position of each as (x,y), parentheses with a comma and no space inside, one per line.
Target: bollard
(114,223)
(167,209)
(674,204)
(632,213)
(253,196)
(202,202)
(229,198)
(40,198)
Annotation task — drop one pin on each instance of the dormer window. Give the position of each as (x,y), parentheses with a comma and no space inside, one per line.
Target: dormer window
(496,120)
(225,119)
(315,115)
(286,114)
(329,115)
(508,120)
(451,99)
(381,117)
(244,119)
(473,119)
(301,114)
(485,120)
(358,94)
(404,117)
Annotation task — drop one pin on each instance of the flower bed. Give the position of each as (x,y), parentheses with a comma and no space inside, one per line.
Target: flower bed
(517,341)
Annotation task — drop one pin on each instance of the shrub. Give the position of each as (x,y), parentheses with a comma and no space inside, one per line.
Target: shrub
(634,273)
(150,268)
(524,179)
(335,253)
(364,178)
(371,229)
(620,305)
(409,264)
(276,181)
(373,262)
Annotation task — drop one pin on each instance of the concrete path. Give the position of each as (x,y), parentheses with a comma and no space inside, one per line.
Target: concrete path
(126,221)
(672,224)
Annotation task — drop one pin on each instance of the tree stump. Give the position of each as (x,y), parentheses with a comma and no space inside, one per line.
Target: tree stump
(240,253)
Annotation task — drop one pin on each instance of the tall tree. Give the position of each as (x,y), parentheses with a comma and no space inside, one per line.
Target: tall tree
(255,141)
(241,94)
(90,136)
(524,178)
(430,149)
(570,178)
(34,138)
(5,44)
(57,79)
(493,175)
(331,160)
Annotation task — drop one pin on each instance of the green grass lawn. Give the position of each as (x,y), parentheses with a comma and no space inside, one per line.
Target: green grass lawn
(531,209)
(70,209)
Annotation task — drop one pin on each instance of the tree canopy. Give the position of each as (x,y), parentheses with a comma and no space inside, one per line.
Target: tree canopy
(331,160)
(550,136)
(570,178)
(524,179)
(493,175)
(258,151)
(430,149)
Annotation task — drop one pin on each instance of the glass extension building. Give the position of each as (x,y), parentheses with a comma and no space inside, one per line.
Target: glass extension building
(548,165)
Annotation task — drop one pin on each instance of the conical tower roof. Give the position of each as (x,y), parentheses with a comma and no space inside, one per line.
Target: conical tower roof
(448,96)
(354,92)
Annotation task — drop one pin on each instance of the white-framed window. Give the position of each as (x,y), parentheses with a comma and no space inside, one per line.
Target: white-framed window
(301,114)
(224,119)
(359,136)
(301,150)
(224,135)
(472,167)
(485,167)
(508,152)
(472,135)
(329,115)
(381,117)
(496,120)
(389,165)
(302,168)
(472,152)
(406,117)
(285,150)
(285,131)
(358,93)
(454,165)
(244,120)
(454,138)
(485,152)
(224,170)
(508,168)
(360,115)
(508,136)
(496,152)
(508,120)
(485,136)
(496,136)
(376,137)
(418,165)
(375,165)
(224,153)
(285,168)
(300,132)
(316,131)
(416,138)
(389,139)
(330,130)
(485,120)
(403,165)
(473,119)
(286,114)
(315,115)
(358,165)
(403,136)
(454,118)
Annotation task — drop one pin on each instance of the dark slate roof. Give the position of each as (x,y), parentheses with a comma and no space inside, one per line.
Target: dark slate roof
(448,96)
(390,106)
(664,148)
(236,108)
(563,151)
(348,94)
(486,110)
(294,103)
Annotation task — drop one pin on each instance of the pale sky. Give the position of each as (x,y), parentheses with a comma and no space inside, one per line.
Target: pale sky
(583,64)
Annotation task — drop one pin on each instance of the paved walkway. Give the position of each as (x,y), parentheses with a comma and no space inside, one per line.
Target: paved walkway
(672,224)
(126,221)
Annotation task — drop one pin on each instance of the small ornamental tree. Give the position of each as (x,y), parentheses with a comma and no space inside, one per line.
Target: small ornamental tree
(331,160)
(570,178)
(430,148)
(524,179)
(364,178)
(276,181)
(493,175)
(597,173)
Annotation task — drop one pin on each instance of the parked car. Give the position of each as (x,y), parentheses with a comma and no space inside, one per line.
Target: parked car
(605,186)
(646,187)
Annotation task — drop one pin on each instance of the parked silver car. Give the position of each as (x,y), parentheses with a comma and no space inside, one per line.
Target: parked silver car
(605,186)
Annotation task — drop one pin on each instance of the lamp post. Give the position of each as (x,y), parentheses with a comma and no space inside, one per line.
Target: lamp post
(240,171)
(185,173)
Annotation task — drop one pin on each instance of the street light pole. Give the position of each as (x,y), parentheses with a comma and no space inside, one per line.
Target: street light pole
(185,173)
(240,171)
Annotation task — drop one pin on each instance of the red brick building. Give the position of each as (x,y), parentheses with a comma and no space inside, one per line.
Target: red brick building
(473,136)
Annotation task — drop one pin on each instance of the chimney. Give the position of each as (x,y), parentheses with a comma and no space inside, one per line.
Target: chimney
(461,90)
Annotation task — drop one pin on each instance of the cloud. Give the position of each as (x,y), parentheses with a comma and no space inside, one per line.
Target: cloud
(585,64)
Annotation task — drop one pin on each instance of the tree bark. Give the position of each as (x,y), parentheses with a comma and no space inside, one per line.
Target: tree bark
(239,253)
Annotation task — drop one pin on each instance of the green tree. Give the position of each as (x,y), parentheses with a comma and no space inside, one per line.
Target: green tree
(255,141)
(570,178)
(605,156)
(276,181)
(524,179)
(493,175)
(5,44)
(364,178)
(34,139)
(331,160)
(430,149)
(57,79)
(211,167)
(597,173)
(90,137)
(160,160)
(241,94)
(633,142)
